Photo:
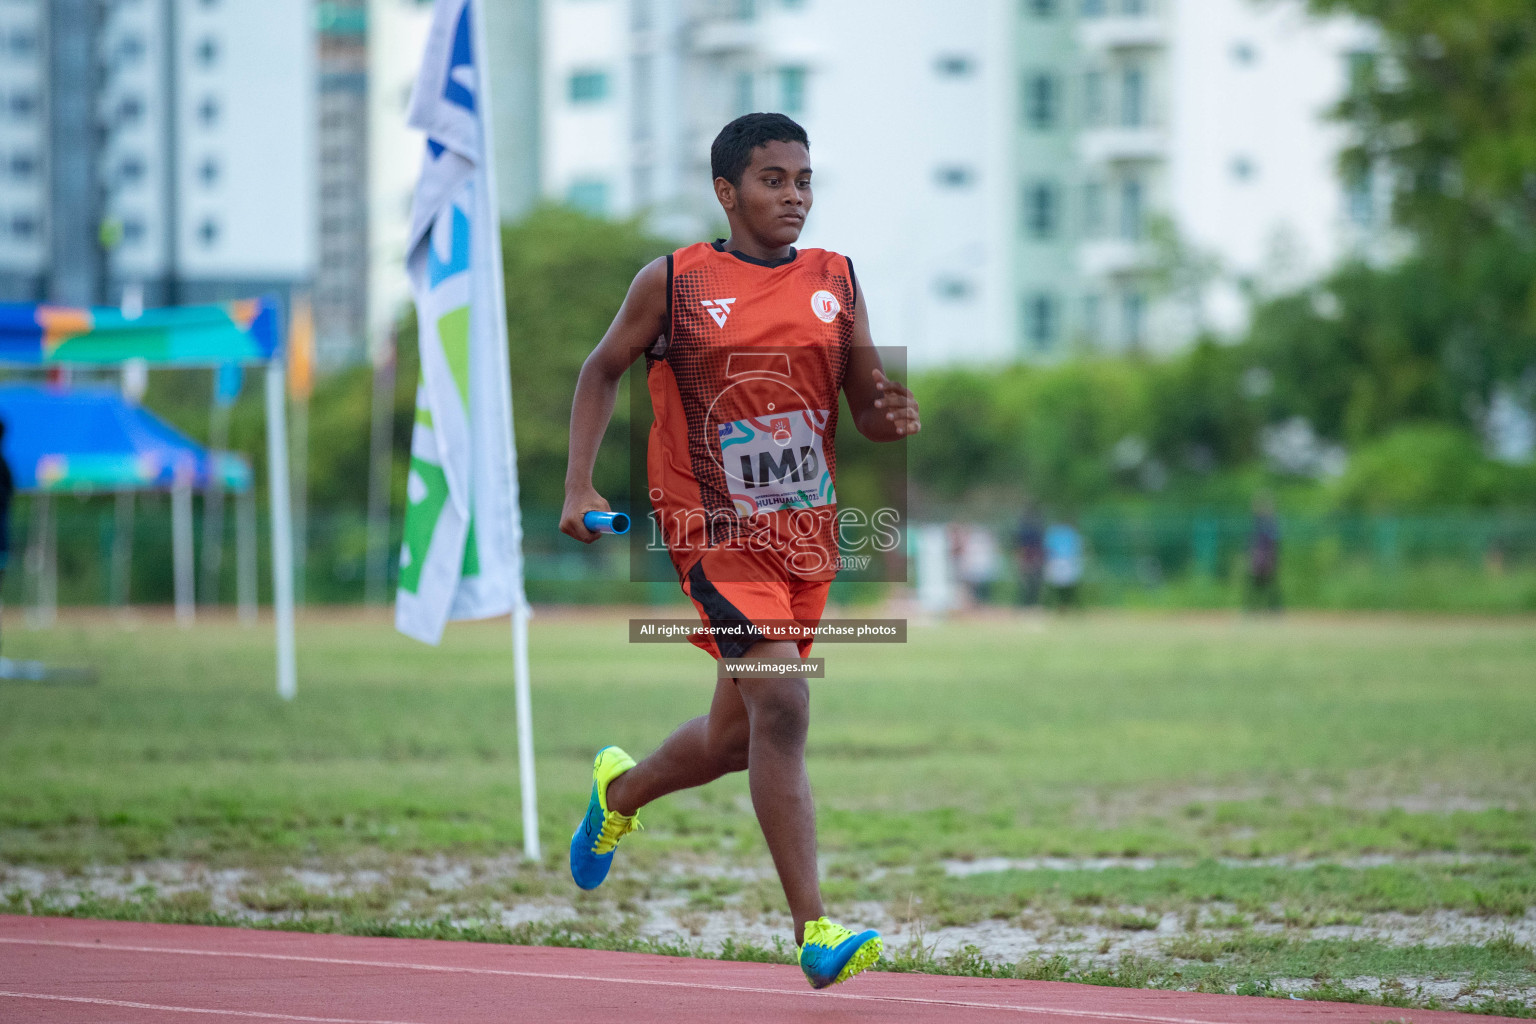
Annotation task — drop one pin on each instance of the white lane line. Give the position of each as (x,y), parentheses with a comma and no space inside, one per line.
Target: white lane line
(190,1009)
(1141,1018)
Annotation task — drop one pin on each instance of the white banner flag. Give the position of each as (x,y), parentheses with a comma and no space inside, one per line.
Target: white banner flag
(462,556)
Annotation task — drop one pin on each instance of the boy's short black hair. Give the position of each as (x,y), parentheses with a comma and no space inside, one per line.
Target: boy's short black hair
(731,152)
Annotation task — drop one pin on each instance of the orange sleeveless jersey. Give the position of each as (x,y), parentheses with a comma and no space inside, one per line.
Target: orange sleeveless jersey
(745,390)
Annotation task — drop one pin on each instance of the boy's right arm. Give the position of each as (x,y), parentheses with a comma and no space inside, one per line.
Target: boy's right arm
(640,321)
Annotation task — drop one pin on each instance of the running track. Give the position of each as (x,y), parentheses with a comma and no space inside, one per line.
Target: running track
(56,971)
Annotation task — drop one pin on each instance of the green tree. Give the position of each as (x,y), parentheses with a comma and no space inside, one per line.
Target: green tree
(1446,108)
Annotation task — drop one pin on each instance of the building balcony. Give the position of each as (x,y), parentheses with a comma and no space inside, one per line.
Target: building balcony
(1122,32)
(1122,145)
(1112,257)
(724,36)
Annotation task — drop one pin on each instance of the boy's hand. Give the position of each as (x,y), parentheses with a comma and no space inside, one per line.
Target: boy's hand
(899,404)
(577,504)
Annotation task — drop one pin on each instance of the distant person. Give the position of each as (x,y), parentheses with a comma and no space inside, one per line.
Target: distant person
(1029,543)
(1063,563)
(1264,558)
(978,563)
(7,491)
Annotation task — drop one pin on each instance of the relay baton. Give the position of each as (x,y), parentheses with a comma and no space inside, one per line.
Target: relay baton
(606,522)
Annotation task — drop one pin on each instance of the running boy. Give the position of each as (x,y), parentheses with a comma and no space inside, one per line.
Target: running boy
(747,343)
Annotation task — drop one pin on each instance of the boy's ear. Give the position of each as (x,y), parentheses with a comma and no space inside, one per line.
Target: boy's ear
(726,193)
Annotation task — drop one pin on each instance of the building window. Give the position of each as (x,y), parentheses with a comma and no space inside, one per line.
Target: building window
(1360,70)
(1093,98)
(208,232)
(130,109)
(954,66)
(1040,320)
(133,230)
(1041,100)
(1134,313)
(589,86)
(208,111)
(1360,200)
(1243,53)
(793,5)
(742,87)
(208,51)
(1093,209)
(23,225)
(23,166)
(1095,8)
(953,289)
(746,10)
(208,171)
(1243,169)
(792,90)
(1133,213)
(23,43)
(1093,326)
(1040,210)
(1133,98)
(1135,8)
(589,195)
(130,49)
(130,171)
(1041,8)
(954,176)
(23,104)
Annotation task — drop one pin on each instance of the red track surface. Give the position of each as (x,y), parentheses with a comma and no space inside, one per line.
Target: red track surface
(54,971)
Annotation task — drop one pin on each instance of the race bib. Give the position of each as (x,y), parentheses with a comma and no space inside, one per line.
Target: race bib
(777,461)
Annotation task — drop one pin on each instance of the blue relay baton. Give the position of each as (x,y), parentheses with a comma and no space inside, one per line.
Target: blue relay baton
(606,522)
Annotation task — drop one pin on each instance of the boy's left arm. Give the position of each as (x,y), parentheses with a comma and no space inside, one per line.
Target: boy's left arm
(883,409)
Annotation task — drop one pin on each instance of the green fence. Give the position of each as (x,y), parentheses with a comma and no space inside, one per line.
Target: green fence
(1455,561)
(1176,558)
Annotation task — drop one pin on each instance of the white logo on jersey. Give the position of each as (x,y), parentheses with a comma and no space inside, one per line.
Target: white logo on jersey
(826,307)
(718,308)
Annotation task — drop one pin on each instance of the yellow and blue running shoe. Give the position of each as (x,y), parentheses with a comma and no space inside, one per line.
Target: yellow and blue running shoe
(832,953)
(600,831)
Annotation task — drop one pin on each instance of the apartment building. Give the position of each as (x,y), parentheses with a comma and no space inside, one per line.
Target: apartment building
(1175,157)
(158,148)
(1013,178)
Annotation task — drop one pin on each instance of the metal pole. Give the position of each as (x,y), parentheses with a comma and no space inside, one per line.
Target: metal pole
(245,556)
(490,204)
(282,529)
(213,500)
(122,548)
(42,563)
(50,563)
(181,552)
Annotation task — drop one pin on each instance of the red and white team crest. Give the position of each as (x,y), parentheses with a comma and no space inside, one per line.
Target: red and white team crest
(826,307)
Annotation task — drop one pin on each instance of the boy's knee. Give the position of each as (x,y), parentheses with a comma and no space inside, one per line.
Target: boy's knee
(729,748)
(783,717)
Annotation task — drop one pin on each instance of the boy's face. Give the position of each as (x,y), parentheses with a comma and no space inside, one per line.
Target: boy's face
(775,193)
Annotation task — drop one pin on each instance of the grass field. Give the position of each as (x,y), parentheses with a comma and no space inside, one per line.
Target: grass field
(1342,807)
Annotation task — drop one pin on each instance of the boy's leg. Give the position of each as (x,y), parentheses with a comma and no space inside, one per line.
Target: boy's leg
(759,725)
(779,715)
(700,751)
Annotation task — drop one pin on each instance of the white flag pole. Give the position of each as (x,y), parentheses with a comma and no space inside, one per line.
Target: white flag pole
(491,202)
(282,527)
